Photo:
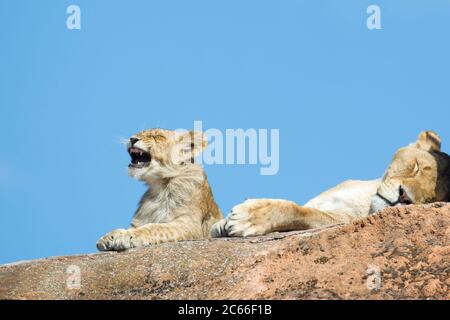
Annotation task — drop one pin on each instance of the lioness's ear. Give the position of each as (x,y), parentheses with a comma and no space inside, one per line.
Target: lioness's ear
(429,141)
(191,144)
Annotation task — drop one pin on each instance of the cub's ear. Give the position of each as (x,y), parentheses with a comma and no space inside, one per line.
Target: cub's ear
(190,144)
(429,141)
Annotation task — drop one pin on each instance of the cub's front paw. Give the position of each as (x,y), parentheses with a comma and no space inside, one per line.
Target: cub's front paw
(251,218)
(117,240)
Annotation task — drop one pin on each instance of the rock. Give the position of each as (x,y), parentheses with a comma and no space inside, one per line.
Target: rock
(400,253)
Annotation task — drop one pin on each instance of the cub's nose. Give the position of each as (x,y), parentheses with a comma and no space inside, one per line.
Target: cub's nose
(133,141)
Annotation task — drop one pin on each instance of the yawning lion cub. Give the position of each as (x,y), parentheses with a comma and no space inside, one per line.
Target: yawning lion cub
(419,173)
(179,204)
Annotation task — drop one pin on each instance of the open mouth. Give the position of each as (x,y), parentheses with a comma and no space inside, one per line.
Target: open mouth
(139,158)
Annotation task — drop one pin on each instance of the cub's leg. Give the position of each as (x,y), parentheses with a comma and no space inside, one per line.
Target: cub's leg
(263,216)
(152,233)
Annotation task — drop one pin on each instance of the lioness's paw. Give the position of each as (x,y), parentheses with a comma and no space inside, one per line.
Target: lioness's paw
(116,240)
(251,218)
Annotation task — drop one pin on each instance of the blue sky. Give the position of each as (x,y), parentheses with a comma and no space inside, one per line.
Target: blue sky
(343,97)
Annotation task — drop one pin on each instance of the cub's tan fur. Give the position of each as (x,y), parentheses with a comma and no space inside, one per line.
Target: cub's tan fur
(179,204)
(419,173)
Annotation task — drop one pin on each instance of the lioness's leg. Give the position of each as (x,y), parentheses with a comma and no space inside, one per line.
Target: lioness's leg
(148,234)
(262,216)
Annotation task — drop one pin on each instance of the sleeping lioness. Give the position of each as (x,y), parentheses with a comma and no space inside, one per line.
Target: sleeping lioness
(419,173)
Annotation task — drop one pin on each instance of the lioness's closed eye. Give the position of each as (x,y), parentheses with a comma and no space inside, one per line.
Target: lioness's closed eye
(179,204)
(419,173)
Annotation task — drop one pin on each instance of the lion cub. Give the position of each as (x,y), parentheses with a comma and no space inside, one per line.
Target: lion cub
(179,203)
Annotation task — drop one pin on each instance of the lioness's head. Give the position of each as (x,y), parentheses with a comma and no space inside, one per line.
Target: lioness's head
(160,154)
(419,173)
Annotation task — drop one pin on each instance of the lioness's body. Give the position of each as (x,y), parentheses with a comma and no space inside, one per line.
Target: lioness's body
(419,173)
(343,203)
(348,200)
